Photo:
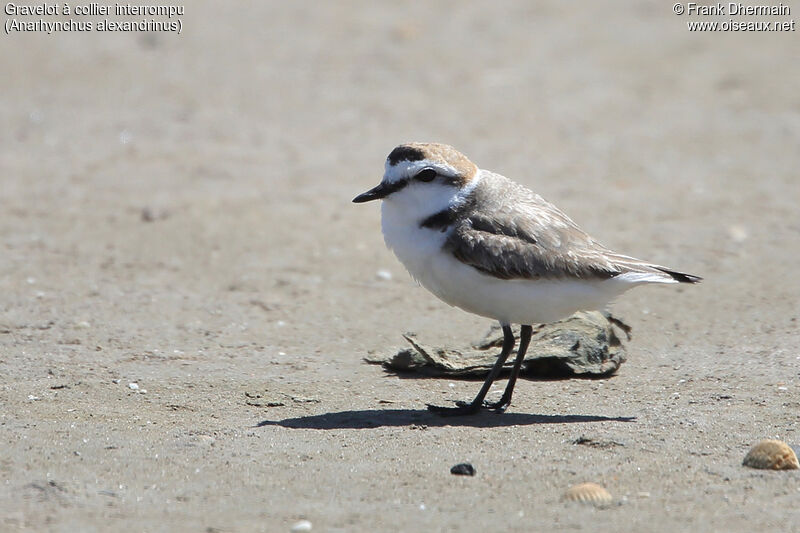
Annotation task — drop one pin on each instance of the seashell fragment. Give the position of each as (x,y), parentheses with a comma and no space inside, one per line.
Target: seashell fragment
(771,455)
(588,493)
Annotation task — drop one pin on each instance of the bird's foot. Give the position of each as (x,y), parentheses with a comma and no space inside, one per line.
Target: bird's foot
(499,406)
(471,408)
(461,409)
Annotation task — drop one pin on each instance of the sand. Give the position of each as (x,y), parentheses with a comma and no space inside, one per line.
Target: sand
(175,216)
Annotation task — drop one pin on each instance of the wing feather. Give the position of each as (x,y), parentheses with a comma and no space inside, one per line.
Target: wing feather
(512,233)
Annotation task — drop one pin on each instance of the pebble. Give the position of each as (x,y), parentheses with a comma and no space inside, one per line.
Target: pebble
(771,455)
(463,469)
(206,439)
(125,136)
(383,275)
(737,233)
(302,525)
(133,386)
(588,493)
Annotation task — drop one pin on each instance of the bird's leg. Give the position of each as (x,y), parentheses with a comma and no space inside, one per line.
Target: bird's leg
(505,401)
(477,403)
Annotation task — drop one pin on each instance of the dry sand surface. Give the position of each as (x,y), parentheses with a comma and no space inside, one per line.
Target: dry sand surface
(175,214)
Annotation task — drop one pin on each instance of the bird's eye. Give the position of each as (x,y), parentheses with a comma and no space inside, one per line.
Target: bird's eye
(427,174)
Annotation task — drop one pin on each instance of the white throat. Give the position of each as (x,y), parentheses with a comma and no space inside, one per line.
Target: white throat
(418,201)
(402,214)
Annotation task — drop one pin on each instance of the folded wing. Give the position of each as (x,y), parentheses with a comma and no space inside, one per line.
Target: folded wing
(517,234)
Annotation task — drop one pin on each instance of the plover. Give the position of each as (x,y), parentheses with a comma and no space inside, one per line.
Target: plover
(481,242)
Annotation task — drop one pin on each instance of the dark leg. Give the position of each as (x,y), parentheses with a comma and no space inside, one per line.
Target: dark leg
(505,401)
(477,403)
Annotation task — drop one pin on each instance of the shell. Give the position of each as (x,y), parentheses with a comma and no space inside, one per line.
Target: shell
(302,525)
(771,455)
(588,493)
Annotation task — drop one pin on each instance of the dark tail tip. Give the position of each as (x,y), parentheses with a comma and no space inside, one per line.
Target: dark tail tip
(681,277)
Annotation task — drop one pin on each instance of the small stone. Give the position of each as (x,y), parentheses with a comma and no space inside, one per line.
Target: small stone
(383,275)
(591,493)
(36,116)
(737,233)
(596,443)
(463,469)
(207,440)
(302,525)
(771,455)
(150,214)
(133,386)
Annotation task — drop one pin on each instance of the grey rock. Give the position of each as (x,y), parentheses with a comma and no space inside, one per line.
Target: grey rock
(586,344)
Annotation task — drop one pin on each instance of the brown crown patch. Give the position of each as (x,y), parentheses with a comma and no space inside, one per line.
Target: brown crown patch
(439,153)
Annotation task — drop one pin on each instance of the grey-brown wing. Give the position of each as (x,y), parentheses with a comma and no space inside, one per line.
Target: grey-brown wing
(528,240)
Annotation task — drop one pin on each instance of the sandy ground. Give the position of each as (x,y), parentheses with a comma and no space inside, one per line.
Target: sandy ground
(175,213)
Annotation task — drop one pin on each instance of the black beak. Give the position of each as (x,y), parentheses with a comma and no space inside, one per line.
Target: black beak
(375,193)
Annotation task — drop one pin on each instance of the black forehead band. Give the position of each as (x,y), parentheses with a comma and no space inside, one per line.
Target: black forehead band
(405,153)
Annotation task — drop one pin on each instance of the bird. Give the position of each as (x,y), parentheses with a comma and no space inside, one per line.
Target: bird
(490,246)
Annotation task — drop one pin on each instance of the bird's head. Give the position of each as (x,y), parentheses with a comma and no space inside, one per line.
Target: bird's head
(423,177)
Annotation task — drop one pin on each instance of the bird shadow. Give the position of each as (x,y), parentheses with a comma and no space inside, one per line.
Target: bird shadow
(364,419)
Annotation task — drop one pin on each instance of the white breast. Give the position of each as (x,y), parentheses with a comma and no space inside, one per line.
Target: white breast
(415,247)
